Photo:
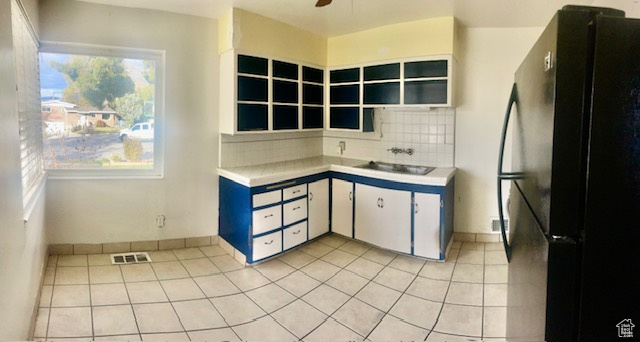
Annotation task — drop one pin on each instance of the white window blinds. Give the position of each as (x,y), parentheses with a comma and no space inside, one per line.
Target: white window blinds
(25,49)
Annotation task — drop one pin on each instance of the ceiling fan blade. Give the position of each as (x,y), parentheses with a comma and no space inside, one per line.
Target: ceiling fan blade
(322,3)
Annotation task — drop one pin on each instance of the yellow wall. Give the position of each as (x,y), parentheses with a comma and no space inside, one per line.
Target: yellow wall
(225,32)
(260,35)
(411,39)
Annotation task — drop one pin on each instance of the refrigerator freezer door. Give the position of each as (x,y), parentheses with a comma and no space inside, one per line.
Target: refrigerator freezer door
(611,257)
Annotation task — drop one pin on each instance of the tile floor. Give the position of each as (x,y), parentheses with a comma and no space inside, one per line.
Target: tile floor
(328,290)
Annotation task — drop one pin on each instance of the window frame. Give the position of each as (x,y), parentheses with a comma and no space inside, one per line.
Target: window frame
(158,56)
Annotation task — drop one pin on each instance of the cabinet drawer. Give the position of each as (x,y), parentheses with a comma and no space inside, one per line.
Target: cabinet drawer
(295,191)
(295,235)
(266,246)
(266,198)
(267,219)
(295,211)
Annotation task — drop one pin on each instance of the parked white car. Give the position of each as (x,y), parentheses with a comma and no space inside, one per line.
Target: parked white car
(142,131)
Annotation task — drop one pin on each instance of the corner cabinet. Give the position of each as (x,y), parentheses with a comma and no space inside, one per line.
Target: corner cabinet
(355,91)
(260,94)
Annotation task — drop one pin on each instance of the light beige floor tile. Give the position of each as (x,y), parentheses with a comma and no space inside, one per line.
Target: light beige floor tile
(496,274)
(264,329)
(212,251)
(162,256)
(452,257)
(474,246)
(416,311)
(156,318)
(109,294)
(138,272)
(42,320)
(378,296)
(49,275)
(358,316)
(226,263)
(339,258)
(70,322)
(380,256)
(495,295)
(316,249)
(298,283)
(326,299)
(456,245)
(99,260)
(495,322)
(274,269)
(70,295)
(188,253)
(393,329)
(331,330)
(431,289)
(347,282)
(491,258)
(467,256)
(333,240)
(200,267)
(355,247)
(464,293)
(146,292)
(247,279)
(169,270)
(394,278)
(320,270)
(468,273)
(237,309)
(114,320)
(460,320)
(174,337)
(439,337)
(135,337)
(105,274)
(72,275)
(45,296)
(221,334)
(181,289)
(198,314)
(297,259)
(216,285)
(52,260)
(407,263)
(365,268)
(494,246)
(271,297)
(299,318)
(72,260)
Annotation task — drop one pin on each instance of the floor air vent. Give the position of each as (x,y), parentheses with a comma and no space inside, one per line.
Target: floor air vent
(495,225)
(130,258)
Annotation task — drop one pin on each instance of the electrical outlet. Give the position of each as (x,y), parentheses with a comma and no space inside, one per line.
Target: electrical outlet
(160,221)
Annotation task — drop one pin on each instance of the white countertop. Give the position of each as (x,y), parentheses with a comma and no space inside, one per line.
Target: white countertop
(257,175)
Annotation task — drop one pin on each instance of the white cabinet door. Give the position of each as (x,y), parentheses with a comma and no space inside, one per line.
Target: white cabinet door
(426,229)
(318,208)
(342,207)
(368,214)
(394,230)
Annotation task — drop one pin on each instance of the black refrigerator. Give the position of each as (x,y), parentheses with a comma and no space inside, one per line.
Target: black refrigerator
(574,198)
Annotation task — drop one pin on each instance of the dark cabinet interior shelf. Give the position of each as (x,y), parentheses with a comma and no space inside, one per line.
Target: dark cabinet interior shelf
(252,117)
(426,69)
(252,89)
(382,93)
(285,117)
(285,70)
(425,92)
(345,94)
(285,91)
(312,117)
(382,72)
(312,75)
(312,94)
(253,65)
(344,75)
(344,117)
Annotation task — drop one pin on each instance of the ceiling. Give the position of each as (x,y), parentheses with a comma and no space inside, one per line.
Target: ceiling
(347,16)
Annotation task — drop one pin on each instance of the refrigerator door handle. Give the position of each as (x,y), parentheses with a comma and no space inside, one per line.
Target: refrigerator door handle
(513,99)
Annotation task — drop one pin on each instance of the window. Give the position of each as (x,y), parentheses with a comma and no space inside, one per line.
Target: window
(25,49)
(107,98)
(46,109)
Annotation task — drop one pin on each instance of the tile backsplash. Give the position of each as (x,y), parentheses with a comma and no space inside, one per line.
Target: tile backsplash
(430,132)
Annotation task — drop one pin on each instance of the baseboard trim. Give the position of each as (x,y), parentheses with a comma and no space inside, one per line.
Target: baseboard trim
(131,246)
(477,237)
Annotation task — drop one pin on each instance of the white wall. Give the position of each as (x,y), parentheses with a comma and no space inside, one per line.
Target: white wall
(487,62)
(22,246)
(113,210)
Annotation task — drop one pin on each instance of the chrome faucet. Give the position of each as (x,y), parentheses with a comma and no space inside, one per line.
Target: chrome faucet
(396,150)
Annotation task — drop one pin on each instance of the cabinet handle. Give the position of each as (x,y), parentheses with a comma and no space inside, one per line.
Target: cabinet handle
(296,208)
(267,216)
(268,243)
(416,207)
(298,232)
(382,203)
(379,202)
(297,191)
(350,195)
(311,196)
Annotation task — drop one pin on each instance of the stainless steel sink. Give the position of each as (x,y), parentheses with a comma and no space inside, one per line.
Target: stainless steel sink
(397,168)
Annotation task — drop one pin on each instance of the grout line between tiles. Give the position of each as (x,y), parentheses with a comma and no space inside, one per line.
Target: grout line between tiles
(126,289)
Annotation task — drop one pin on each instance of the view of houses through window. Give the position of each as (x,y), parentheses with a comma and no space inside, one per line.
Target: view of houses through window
(97,112)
